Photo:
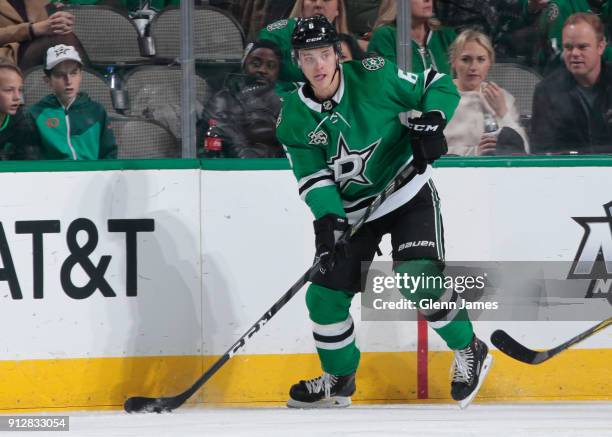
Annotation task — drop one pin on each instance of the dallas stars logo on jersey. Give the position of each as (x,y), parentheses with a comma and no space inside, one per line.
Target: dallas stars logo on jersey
(350,166)
(343,155)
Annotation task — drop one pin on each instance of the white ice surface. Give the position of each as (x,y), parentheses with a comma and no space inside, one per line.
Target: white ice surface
(593,419)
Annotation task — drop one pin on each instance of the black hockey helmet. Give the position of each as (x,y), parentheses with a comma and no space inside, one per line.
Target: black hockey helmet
(313,33)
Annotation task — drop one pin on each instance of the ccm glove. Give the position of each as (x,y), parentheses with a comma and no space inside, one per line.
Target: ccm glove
(427,138)
(328,230)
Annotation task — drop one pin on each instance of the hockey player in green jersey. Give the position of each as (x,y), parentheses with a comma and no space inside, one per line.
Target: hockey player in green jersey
(343,136)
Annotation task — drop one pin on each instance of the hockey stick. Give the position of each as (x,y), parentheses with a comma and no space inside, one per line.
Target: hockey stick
(158,405)
(516,350)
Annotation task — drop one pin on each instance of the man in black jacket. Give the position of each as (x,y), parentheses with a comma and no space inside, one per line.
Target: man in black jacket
(246,109)
(572,108)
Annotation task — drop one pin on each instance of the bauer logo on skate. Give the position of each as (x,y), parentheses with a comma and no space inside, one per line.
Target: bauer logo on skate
(81,239)
(593,259)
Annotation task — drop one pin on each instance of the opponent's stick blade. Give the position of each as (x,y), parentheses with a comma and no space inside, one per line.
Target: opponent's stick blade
(502,341)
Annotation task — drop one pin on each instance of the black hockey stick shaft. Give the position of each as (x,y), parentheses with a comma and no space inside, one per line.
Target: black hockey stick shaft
(159,404)
(508,345)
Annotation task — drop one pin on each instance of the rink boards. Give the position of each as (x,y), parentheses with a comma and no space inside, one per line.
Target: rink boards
(185,261)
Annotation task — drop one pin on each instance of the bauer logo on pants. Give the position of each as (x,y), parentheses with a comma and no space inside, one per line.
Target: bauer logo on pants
(594,256)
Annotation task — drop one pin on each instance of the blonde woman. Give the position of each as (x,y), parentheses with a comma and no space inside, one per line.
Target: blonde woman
(280,31)
(486,121)
(430,41)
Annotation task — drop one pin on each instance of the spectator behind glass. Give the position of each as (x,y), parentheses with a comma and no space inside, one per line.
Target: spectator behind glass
(349,49)
(29,28)
(246,109)
(471,58)
(486,16)
(253,15)
(280,31)
(430,41)
(361,16)
(70,124)
(551,25)
(572,107)
(16,129)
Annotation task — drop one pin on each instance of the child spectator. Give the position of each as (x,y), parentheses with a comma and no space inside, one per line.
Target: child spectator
(69,123)
(16,129)
(430,41)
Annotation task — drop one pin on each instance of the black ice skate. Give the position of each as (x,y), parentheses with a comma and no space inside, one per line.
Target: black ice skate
(469,370)
(326,391)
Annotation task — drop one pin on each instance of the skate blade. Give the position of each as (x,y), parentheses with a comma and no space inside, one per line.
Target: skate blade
(333,402)
(464,403)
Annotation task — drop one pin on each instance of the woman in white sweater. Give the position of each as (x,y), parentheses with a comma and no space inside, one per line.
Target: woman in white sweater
(482,102)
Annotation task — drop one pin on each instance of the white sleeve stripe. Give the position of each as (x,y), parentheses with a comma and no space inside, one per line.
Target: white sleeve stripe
(324,172)
(323,183)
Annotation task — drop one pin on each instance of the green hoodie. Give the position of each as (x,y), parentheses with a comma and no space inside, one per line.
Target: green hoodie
(434,54)
(79,132)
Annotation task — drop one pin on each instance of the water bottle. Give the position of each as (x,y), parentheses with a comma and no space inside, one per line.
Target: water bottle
(491,128)
(142,19)
(118,96)
(111,76)
(213,143)
(490,123)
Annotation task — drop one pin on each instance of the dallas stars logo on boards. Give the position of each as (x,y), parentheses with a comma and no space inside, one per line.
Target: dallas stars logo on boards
(350,166)
(594,256)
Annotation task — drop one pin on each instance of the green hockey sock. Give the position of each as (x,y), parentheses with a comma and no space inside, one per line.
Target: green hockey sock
(439,305)
(333,329)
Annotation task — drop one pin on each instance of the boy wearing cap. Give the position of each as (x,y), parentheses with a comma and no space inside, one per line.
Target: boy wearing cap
(15,128)
(70,124)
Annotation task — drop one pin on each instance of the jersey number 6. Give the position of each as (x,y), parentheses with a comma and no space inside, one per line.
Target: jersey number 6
(410,77)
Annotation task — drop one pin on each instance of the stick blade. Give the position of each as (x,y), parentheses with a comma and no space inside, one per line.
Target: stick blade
(502,341)
(140,404)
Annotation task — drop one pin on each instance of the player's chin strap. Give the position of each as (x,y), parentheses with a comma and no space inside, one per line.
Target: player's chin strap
(338,54)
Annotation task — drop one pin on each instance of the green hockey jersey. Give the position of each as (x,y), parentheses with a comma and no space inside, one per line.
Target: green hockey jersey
(553,18)
(344,151)
(433,55)
(280,33)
